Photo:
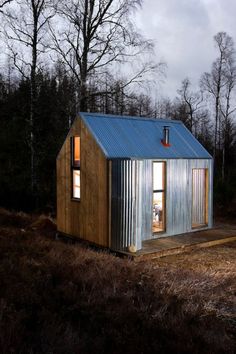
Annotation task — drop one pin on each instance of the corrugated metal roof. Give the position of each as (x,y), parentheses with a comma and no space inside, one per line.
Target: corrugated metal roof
(138,137)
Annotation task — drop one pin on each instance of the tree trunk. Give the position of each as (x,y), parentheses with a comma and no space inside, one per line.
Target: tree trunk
(216,126)
(83,97)
(33,100)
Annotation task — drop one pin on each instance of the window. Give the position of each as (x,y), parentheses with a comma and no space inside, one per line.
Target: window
(75,166)
(158,223)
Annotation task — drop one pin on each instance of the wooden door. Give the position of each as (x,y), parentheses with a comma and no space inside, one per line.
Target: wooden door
(199,197)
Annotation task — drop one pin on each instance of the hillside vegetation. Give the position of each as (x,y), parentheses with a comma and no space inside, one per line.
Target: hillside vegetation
(66,298)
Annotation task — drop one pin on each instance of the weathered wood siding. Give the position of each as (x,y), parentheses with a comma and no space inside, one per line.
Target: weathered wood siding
(87,218)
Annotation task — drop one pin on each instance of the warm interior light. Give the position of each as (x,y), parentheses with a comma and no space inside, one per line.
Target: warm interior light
(158,176)
(76,184)
(158,196)
(157,199)
(77,151)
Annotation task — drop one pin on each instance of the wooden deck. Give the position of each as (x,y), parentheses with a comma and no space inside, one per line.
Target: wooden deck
(171,245)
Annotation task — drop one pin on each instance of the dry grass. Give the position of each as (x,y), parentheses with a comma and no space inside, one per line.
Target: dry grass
(208,274)
(61,298)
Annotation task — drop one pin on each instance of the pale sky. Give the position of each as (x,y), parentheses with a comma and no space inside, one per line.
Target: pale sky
(183,31)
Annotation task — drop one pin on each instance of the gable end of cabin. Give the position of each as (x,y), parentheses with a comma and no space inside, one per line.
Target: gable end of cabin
(82,187)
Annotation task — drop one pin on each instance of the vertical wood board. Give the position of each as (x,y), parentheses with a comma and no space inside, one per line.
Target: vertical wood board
(88,217)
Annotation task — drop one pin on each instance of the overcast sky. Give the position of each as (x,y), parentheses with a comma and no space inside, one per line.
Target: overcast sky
(183,32)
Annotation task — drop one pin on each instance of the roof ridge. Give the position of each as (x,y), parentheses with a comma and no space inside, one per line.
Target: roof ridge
(125,117)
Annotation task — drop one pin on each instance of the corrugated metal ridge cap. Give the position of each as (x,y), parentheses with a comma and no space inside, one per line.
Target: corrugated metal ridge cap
(156,158)
(116,116)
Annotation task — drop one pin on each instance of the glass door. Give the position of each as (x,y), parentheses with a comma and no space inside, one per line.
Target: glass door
(158,222)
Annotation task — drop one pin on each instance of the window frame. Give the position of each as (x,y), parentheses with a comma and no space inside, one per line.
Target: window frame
(74,167)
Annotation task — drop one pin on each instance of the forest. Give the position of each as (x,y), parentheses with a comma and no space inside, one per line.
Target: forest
(62,57)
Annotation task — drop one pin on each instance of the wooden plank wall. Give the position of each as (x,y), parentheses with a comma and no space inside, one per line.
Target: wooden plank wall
(87,218)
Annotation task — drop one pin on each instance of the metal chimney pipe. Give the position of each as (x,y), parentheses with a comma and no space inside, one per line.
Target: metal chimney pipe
(166,135)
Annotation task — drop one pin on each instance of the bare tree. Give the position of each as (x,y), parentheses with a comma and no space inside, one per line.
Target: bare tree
(96,34)
(220,84)
(193,102)
(3,3)
(25,32)
(163,108)
(227,107)
(215,81)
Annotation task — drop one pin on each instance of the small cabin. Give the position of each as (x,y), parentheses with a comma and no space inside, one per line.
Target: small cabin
(123,180)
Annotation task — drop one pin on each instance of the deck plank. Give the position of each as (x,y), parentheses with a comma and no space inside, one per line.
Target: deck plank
(171,245)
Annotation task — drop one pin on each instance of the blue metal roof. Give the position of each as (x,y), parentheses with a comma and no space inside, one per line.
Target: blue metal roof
(138,137)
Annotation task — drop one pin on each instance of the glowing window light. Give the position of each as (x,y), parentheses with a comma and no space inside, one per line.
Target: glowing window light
(76,156)
(158,183)
(76,184)
(158,224)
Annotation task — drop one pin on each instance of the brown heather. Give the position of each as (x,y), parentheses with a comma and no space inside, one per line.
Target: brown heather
(63,298)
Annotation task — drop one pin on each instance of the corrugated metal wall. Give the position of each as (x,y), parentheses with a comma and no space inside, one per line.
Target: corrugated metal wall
(131,203)
(179,194)
(178,197)
(131,199)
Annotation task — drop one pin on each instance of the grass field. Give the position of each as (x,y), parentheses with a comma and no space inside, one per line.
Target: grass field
(64,298)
